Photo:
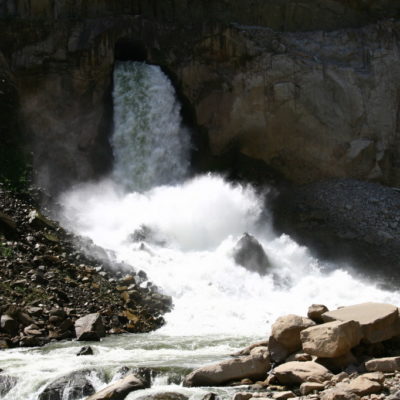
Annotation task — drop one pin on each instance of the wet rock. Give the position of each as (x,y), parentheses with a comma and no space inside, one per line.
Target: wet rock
(332,339)
(296,372)
(73,386)
(7,382)
(252,367)
(249,253)
(85,351)
(378,321)
(120,389)
(315,312)
(243,396)
(285,335)
(90,327)
(38,220)
(164,396)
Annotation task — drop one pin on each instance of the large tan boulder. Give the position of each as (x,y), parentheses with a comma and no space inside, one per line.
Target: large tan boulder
(332,339)
(285,335)
(120,389)
(385,364)
(252,367)
(378,321)
(297,372)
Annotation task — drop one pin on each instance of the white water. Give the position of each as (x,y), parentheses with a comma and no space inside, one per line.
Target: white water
(195,223)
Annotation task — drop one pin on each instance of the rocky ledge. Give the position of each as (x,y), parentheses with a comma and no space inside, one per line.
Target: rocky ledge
(349,353)
(51,289)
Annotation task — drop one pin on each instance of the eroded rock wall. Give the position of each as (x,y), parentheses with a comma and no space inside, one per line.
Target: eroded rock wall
(311,105)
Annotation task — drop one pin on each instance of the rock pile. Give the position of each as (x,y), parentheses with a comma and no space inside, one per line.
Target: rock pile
(51,290)
(349,353)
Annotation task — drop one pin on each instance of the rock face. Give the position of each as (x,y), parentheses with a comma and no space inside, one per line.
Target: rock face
(253,367)
(89,327)
(285,335)
(120,389)
(332,339)
(250,254)
(62,69)
(378,321)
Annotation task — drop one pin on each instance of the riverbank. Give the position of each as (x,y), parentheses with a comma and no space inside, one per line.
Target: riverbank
(48,281)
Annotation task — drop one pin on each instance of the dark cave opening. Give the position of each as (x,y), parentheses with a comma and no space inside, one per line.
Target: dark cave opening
(130,50)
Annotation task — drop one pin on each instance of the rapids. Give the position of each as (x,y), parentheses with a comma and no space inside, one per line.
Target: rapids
(192,224)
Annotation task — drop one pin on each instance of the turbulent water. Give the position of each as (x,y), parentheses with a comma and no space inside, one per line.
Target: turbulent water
(192,226)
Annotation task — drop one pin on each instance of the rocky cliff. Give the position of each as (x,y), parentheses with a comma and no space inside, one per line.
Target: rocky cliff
(310,89)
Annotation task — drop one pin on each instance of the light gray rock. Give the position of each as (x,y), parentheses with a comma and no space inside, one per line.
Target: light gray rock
(378,321)
(89,327)
(252,367)
(332,339)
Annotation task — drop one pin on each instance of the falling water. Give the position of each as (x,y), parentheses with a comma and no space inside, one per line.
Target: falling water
(193,225)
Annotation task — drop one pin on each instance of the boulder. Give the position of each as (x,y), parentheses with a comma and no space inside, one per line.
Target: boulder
(85,351)
(285,335)
(338,393)
(242,396)
(385,364)
(246,351)
(9,325)
(89,327)
(252,367)
(120,389)
(378,321)
(332,339)
(338,364)
(311,387)
(287,394)
(249,253)
(75,385)
(297,372)
(364,386)
(315,312)
(164,396)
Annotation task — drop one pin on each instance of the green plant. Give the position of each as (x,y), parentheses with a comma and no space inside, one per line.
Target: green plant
(5,252)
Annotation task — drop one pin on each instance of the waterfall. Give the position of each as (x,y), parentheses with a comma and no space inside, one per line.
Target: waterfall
(194,224)
(150,145)
(191,228)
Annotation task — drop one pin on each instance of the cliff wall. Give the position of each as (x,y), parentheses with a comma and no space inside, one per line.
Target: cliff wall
(309,88)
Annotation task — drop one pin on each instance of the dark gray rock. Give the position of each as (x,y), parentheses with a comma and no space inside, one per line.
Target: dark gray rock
(73,386)
(85,351)
(7,382)
(250,254)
